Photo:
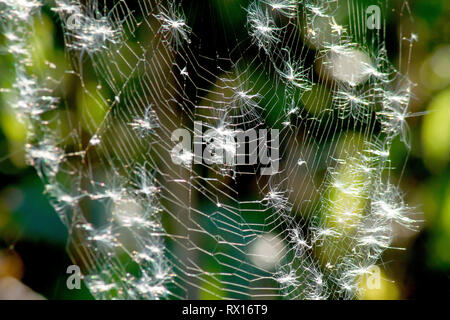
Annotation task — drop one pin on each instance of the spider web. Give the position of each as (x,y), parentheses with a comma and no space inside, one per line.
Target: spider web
(149,221)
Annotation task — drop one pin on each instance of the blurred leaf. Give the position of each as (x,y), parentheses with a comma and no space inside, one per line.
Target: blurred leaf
(387,289)
(436,133)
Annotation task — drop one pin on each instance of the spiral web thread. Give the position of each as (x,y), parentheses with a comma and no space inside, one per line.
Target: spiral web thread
(146,222)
